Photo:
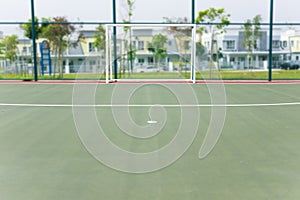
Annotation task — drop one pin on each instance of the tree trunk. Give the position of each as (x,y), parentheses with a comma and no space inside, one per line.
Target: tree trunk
(60,63)
(55,62)
(217,57)
(211,55)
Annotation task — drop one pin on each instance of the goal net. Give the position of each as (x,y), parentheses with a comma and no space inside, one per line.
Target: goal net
(150,52)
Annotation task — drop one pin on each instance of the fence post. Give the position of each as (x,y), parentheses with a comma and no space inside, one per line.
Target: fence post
(33,41)
(270,41)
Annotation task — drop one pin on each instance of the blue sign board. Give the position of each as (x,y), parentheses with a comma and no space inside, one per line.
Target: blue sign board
(45,57)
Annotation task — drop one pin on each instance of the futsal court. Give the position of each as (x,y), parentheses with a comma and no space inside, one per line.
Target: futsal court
(246,143)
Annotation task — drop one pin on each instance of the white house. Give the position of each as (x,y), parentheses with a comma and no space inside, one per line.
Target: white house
(236,56)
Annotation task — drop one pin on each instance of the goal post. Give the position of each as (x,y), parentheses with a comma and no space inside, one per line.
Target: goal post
(150,52)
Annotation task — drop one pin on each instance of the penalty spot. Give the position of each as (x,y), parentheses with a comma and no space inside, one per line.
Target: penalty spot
(151,122)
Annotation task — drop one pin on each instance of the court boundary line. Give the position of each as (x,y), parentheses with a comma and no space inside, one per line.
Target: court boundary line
(140,81)
(151,105)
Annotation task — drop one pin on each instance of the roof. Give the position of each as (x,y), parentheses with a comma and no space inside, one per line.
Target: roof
(88,33)
(142,32)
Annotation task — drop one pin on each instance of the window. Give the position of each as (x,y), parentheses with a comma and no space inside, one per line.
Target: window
(283,44)
(91,47)
(276,43)
(141,45)
(133,44)
(256,44)
(150,59)
(141,60)
(92,62)
(24,50)
(229,44)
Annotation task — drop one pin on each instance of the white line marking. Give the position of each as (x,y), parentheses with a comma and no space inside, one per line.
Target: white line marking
(152,122)
(150,105)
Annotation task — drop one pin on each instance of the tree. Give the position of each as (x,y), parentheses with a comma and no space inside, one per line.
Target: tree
(178,30)
(217,20)
(56,33)
(130,55)
(2,48)
(182,34)
(9,47)
(251,35)
(100,38)
(129,12)
(38,27)
(157,47)
(201,51)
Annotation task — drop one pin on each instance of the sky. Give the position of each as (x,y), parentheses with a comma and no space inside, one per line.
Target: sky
(145,10)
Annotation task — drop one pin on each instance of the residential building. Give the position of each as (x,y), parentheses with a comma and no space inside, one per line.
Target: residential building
(178,48)
(236,56)
(293,38)
(79,56)
(86,58)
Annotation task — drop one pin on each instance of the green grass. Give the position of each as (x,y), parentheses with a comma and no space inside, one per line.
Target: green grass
(224,74)
(257,156)
(248,75)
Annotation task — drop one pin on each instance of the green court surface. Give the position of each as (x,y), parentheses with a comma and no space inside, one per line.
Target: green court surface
(256,157)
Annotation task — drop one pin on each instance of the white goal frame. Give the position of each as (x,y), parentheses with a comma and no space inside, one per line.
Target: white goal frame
(109,53)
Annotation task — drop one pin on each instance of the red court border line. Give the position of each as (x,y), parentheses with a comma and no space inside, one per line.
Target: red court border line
(150,81)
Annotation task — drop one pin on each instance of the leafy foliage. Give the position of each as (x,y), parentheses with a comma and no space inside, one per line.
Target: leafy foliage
(39,28)
(9,46)
(129,9)
(217,20)
(2,48)
(157,46)
(100,38)
(131,52)
(55,32)
(252,34)
(182,34)
(178,30)
(58,34)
